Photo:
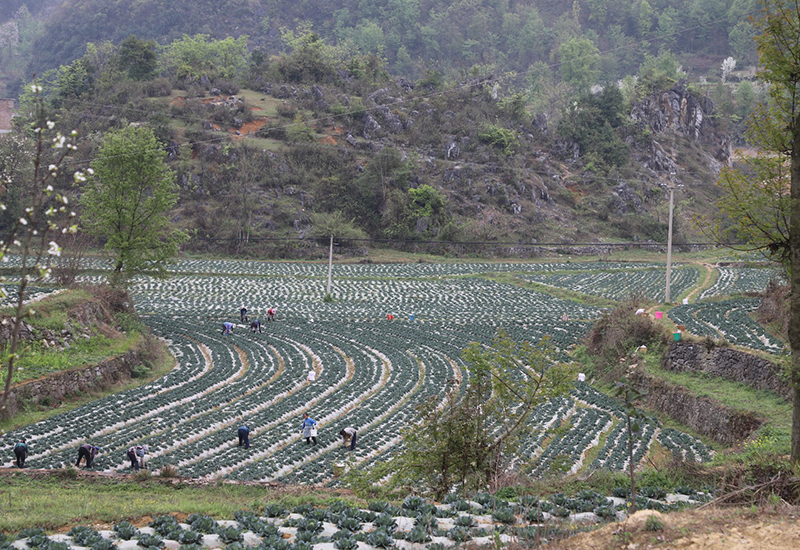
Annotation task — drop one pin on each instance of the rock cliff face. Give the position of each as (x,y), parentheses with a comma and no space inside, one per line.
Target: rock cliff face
(679,111)
(727,363)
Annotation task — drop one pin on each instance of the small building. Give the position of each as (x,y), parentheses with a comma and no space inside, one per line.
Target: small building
(6,114)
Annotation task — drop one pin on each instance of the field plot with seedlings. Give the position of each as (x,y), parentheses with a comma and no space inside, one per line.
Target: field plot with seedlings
(416,523)
(391,339)
(740,280)
(622,282)
(728,319)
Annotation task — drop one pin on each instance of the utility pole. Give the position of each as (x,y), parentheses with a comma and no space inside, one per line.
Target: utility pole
(330,266)
(671,188)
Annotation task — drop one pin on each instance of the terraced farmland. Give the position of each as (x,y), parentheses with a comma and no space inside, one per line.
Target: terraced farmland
(740,280)
(370,371)
(727,319)
(619,284)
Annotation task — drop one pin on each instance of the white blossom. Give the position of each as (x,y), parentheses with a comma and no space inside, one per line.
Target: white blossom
(51,124)
(23,221)
(54,249)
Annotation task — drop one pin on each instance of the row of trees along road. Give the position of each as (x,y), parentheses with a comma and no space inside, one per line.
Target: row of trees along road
(761,208)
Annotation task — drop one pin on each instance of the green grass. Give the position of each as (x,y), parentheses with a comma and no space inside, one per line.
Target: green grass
(52,314)
(563,293)
(35,360)
(56,502)
(264,143)
(737,396)
(263,104)
(33,414)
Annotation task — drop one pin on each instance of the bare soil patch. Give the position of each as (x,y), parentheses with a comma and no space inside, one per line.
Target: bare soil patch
(773,528)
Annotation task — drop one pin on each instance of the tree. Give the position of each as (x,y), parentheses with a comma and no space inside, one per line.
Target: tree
(767,188)
(629,394)
(138,58)
(44,216)
(579,59)
(192,57)
(471,437)
(127,201)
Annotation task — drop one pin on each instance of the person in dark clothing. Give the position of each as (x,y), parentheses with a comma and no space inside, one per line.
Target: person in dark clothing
(244,436)
(243,314)
(87,452)
(133,458)
(227,327)
(349,434)
(21,452)
(256,326)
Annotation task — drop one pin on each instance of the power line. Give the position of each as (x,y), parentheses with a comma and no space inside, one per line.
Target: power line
(324,239)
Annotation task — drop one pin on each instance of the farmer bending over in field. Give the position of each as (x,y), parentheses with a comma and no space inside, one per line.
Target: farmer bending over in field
(87,452)
(21,452)
(227,327)
(255,326)
(271,314)
(133,458)
(309,427)
(349,435)
(244,436)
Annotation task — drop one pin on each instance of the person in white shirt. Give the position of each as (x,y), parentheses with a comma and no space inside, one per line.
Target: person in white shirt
(349,434)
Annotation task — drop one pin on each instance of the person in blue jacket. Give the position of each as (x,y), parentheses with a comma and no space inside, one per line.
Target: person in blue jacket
(227,327)
(244,436)
(309,427)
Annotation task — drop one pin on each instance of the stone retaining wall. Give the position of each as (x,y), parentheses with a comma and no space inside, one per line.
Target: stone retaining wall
(54,388)
(704,415)
(728,363)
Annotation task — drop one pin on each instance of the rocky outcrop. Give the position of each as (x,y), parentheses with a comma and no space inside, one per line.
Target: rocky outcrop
(728,363)
(704,415)
(679,111)
(52,390)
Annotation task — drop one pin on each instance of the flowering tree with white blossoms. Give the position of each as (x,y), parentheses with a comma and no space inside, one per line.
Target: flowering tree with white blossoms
(32,236)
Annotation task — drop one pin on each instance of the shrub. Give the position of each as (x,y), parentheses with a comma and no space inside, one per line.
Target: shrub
(168,471)
(653,523)
(619,332)
(499,137)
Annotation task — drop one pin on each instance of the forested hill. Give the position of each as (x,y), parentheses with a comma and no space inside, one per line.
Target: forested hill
(413,35)
(479,121)
(289,146)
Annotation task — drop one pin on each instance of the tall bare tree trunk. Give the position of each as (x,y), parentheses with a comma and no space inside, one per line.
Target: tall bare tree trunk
(794,319)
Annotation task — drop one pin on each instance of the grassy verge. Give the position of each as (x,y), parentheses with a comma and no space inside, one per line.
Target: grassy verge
(71,329)
(57,502)
(36,361)
(556,292)
(163,362)
(737,396)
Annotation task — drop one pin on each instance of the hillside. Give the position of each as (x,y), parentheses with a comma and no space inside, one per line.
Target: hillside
(266,151)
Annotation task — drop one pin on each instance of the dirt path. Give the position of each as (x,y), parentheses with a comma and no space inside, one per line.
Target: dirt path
(705,283)
(710,529)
